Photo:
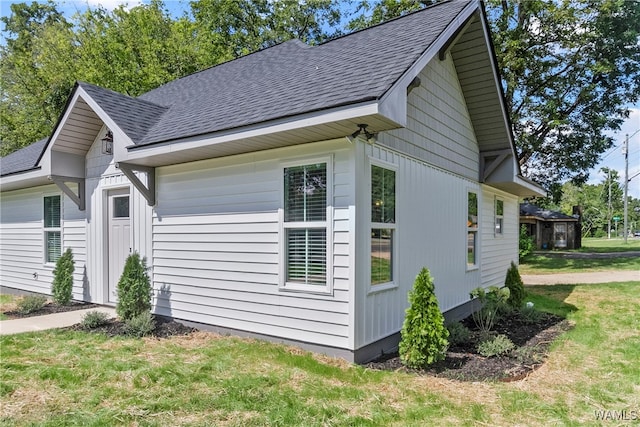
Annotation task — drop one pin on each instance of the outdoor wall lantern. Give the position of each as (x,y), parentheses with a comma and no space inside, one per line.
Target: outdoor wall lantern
(107,143)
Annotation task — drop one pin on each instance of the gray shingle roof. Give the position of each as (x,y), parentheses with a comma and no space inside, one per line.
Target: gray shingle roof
(293,78)
(23,159)
(527,209)
(285,80)
(133,115)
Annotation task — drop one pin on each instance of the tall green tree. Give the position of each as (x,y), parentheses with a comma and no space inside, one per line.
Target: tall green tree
(569,68)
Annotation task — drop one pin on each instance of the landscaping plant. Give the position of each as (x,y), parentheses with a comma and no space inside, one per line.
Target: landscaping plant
(62,286)
(94,319)
(141,325)
(134,288)
(496,346)
(491,299)
(458,333)
(513,281)
(525,242)
(423,336)
(31,303)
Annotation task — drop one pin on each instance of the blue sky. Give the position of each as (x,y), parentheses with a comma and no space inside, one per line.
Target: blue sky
(612,158)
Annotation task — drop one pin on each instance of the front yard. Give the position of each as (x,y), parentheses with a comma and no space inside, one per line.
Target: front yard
(79,378)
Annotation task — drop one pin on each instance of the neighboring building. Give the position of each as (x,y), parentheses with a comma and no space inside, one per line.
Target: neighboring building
(550,229)
(262,202)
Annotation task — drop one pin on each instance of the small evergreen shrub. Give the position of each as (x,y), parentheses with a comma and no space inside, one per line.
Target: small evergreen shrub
(134,288)
(530,315)
(525,242)
(513,281)
(458,333)
(141,325)
(492,300)
(496,346)
(62,286)
(31,303)
(94,319)
(423,336)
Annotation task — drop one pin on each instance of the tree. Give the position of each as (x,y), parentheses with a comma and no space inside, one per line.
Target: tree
(62,286)
(134,288)
(569,69)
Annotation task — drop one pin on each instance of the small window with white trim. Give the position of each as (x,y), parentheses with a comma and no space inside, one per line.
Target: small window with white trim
(306,226)
(383,224)
(472,229)
(52,229)
(499,215)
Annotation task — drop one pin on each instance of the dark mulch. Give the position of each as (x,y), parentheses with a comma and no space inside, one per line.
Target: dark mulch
(462,362)
(165,328)
(51,308)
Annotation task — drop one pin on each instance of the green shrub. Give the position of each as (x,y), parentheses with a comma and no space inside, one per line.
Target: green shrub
(423,336)
(134,288)
(94,319)
(141,325)
(496,346)
(525,242)
(31,303)
(458,333)
(62,286)
(530,315)
(492,299)
(513,281)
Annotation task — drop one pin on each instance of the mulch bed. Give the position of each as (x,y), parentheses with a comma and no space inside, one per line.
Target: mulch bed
(165,328)
(50,308)
(462,362)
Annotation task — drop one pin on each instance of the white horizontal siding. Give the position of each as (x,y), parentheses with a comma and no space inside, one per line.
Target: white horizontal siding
(216,246)
(439,130)
(22,240)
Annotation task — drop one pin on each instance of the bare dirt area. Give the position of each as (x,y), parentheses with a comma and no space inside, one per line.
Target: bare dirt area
(463,362)
(165,328)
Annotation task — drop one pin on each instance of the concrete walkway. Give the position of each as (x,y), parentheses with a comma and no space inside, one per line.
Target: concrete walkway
(49,321)
(579,278)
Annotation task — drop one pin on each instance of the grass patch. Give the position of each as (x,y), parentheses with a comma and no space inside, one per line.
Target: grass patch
(609,245)
(76,378)
(543,264)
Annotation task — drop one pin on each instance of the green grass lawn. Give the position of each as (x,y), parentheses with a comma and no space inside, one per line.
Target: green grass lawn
(609,245)
(56,378)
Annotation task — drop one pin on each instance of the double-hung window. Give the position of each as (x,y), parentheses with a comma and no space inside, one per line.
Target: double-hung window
(383,224)
(472,229)
(52,231)
(499,214)
(305,226)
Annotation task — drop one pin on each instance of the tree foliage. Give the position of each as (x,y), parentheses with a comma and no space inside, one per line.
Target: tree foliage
(131,51)
(569,69)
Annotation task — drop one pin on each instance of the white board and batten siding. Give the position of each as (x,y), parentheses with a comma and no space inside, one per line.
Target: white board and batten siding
(22,240)
(498,250)
(101,177)
(436,157)
(216,240)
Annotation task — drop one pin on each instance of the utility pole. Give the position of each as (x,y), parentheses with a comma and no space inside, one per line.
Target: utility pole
(609,205)
(626,185)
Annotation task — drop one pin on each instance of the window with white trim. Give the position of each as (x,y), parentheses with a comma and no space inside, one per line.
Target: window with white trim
(305,224)
(499,215)
(383,224)
(472,229)
(52,230)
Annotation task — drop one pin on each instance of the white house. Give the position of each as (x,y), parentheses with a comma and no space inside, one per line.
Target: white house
(293,193)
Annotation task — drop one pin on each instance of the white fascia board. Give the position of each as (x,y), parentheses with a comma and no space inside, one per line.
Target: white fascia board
(276,126)
(530,186)
(27,179)
(393,104)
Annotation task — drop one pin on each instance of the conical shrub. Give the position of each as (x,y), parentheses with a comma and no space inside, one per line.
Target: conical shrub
(62,286)
(134,288)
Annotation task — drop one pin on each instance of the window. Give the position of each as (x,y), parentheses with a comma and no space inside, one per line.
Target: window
(499,208)
(305,224)
(472,229)
(52,235)
(383,224)
(121,207)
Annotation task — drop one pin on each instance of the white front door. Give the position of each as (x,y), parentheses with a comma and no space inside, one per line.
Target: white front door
(119,238)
